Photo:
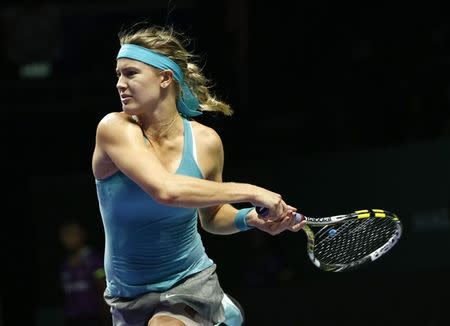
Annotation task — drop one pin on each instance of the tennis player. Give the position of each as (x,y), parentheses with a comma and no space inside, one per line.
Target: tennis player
(157,171)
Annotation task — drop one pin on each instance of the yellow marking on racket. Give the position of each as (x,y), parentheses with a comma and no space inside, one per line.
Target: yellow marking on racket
(380,214)
(364,215)
(378,210)
(361,211)
(308,231)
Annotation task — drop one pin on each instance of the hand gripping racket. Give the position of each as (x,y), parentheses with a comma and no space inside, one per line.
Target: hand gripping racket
(346,241)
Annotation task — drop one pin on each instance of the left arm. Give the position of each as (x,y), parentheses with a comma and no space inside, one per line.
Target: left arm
(219,219)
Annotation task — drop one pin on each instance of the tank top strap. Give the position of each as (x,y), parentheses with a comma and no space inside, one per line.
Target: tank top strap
(189,163)
(189,149)
(188,139)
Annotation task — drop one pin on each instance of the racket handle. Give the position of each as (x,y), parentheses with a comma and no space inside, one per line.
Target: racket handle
(299,217)
(263,211)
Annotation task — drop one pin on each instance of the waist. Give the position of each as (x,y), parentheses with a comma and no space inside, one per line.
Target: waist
(131,284)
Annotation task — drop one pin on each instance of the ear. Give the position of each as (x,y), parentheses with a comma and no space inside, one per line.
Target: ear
(166,78)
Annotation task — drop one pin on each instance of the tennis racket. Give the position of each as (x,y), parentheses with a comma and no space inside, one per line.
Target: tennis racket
(346,241)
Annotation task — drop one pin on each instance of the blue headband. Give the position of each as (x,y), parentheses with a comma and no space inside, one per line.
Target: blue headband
(188,104)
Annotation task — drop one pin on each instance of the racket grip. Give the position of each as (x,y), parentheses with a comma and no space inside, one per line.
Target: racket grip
(298,217)
(263,211)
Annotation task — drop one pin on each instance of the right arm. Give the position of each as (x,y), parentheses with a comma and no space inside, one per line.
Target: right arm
(121,140)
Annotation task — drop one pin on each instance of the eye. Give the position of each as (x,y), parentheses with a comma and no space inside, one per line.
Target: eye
(129,72)
(126,73)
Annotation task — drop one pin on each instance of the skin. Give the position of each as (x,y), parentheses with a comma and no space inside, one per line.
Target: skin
(149,94)
(162,320)
(165,321)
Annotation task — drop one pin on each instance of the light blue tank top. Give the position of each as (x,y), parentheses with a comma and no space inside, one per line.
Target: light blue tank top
(148,246)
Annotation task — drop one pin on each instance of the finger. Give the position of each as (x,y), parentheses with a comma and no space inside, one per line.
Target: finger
(280,208)
(284,210)
(288,221)
(292,221)
(276,228)
(298,226)
(291,208)
(278,214)
(284,224)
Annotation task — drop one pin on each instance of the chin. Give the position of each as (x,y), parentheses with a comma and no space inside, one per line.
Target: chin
(133,108)
(128,110)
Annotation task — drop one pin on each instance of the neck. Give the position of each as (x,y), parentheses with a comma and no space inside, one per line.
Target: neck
(158,127)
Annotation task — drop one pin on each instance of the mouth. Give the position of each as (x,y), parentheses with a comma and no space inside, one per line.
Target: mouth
(125,99)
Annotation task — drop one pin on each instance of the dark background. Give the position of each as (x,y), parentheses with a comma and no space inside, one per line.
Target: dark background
(336,107)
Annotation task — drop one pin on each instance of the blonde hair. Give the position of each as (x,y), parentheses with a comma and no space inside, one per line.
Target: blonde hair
(166,41)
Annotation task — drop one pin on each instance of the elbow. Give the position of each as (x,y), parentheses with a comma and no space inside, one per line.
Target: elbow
(166,196)
(208,219)
(206,225)
(167,199)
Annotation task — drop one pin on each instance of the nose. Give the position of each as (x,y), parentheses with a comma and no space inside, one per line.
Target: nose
(120,85)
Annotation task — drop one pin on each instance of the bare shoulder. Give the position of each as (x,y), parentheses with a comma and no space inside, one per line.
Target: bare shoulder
(209,150)
(113,122)
(114,119)
(207,138)
(113,130)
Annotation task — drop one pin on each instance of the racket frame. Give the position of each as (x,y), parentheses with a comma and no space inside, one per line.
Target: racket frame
(334,220)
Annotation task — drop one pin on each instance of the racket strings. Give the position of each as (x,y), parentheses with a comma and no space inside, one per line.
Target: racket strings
(353,239)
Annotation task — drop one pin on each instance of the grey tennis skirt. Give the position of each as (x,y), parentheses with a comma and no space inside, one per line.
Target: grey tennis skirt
(201,291)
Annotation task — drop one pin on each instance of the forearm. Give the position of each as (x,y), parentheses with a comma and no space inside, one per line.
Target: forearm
(226,219)
(221,220)
(185,191)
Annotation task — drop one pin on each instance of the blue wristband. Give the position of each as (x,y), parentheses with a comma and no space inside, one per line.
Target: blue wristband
(240,220)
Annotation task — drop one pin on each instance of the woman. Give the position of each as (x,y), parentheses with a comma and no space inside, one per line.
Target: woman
(157,170)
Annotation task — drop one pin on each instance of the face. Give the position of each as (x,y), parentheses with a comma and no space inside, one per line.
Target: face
(139,85)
